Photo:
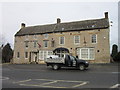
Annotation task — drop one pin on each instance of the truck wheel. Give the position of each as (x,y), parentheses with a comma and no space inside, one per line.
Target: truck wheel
(82,67)
(55,67)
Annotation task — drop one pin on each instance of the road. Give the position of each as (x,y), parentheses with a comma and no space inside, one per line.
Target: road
(41,76)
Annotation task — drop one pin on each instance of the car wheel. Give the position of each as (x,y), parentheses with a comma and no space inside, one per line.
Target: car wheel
(55,67)
(82,67)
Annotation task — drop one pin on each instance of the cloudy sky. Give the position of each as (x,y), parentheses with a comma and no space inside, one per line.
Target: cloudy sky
(13,14)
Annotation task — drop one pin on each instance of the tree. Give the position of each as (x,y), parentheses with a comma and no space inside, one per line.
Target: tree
(7,53)
(114,51)
(117,57)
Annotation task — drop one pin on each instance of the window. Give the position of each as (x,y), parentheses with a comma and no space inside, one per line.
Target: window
(27,37)
(45,36)
(94,38)
(62,40)
(87,53)
(45,43)
(76,39)
(26,43)
(84,53)
(91,54)
(35,44)
(43,54)
(35,37)
(18,54)
(26,54)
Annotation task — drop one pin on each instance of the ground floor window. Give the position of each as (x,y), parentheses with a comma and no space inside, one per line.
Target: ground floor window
(43,54)
(18,54)
(26,54)
(86,53)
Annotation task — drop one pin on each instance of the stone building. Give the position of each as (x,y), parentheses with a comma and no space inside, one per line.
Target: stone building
(88,40)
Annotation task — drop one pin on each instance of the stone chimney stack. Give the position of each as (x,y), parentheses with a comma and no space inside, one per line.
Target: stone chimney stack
(106,14)
(58,20)
(22,25)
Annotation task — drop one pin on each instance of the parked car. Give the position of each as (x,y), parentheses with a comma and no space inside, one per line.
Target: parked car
(68,61)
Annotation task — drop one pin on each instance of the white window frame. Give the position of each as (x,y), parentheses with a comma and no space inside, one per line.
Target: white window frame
(88,54)
(35,36)
(75,39)
(96,39)
(44,43)
(35,44)
(46,36)
(60,40)
(43,56)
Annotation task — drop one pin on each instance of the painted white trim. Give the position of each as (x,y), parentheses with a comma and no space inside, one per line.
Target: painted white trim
(45,36)
(91,38)
(88,49)
(44,44)
(60,39)
(43,54)
(74,40)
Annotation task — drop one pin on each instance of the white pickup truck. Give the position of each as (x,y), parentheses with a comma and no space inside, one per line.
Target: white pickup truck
(69,61)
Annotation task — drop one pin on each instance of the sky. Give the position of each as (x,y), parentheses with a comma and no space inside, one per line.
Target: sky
(12,14)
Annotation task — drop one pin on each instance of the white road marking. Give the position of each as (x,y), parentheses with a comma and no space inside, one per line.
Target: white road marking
(115,86)
(115,72)
(80,84)
(23,81)
(47,84)
(4,78)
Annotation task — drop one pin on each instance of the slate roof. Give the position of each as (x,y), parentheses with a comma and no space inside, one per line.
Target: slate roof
(65,27)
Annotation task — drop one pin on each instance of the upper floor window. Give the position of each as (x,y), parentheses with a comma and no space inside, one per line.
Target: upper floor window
(45,36)
(76,39)
(45,43)
(62,40)
(35,44)
(27,37)
(26,43)
(94,38)
(35,37)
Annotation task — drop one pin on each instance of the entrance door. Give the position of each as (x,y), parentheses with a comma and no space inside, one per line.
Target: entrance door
(33,57)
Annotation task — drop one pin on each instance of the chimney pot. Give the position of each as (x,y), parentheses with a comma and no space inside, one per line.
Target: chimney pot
(58,20)
(106,14)
(22,25)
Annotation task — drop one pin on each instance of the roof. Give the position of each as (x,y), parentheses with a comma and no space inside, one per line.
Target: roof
(65,27)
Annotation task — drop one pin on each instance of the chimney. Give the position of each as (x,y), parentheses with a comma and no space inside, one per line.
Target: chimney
(22,25)
(106,14)
(58,20)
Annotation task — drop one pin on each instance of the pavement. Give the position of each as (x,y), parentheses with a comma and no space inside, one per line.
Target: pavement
(41,76)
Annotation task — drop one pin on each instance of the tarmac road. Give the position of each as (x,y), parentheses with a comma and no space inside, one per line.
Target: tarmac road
(41,76)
